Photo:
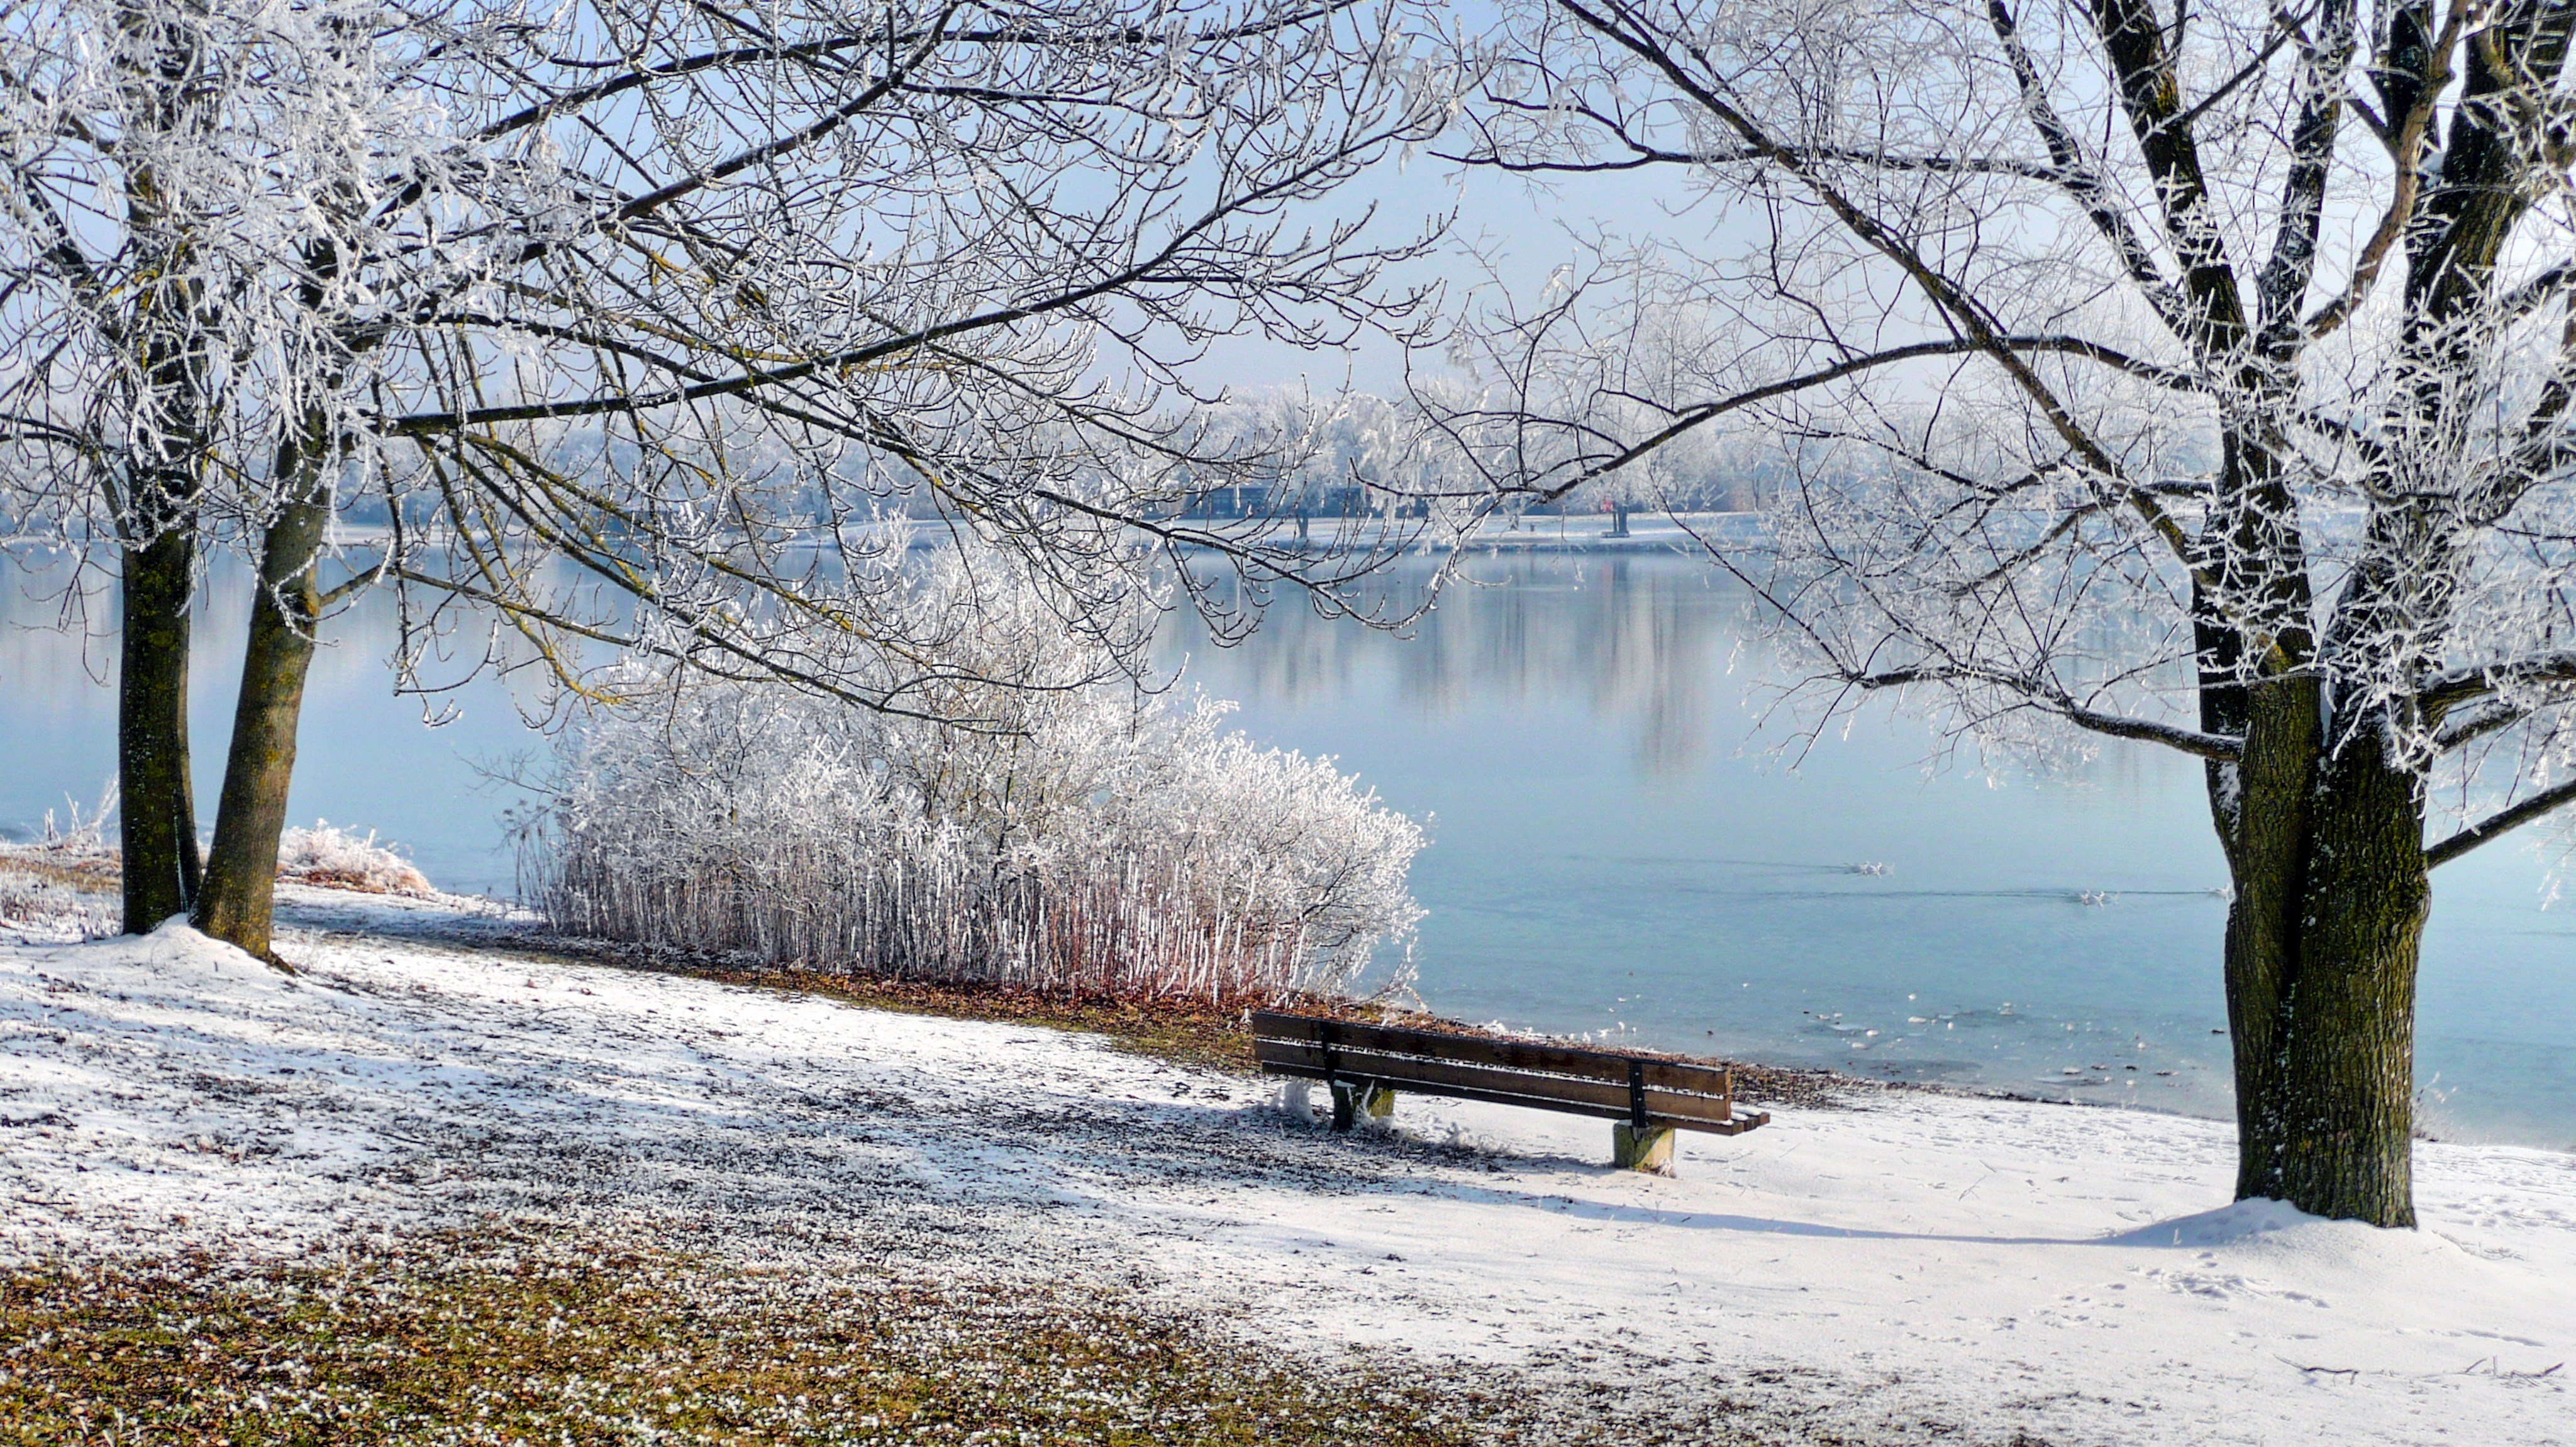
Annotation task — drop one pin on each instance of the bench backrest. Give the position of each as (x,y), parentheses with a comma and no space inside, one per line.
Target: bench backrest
(1639,1088)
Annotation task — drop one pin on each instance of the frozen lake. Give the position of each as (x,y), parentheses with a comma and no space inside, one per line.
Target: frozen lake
(1616,850)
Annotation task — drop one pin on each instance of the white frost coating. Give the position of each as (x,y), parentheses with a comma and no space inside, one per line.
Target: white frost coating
(336,858)
(64,888)
(2072,1274)
(620,317)
(58,892)
(1077,836)
(2011,464)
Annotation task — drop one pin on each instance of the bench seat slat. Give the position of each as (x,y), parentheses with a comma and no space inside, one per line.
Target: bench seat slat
(1484,1050)
(1736,1125)
(1523,1087)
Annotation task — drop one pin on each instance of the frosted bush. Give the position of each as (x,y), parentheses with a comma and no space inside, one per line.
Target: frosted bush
(1073,837)
(61,886)
(339,859)
(1296,1100)
(64,874)
(44,897)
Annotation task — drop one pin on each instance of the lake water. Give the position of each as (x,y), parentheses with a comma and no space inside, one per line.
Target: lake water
(1617,849)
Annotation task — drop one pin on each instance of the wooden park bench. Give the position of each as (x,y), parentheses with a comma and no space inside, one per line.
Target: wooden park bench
(1365,1065)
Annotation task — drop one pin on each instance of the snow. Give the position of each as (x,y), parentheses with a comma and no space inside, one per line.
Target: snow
(1923,1263)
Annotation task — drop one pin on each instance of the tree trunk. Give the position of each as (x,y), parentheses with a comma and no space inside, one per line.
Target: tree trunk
(2347,1087)
(241,875)
(2322,943)
(2261,805)
(155,789)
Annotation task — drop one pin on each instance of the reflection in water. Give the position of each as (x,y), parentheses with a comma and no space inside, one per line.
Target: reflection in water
(1616,854)
(1612,853)
(56,630)
(366,756)
(1639,640)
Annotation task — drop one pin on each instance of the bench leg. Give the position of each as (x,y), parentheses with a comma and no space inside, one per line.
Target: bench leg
(1353,1099)
(1649,1150)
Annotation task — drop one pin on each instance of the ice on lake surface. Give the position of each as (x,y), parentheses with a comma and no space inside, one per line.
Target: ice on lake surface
(1615,851)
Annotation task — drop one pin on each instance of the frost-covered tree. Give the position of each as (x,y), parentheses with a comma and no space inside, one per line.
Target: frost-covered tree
(1356,458)
(628,323)
(166,236)
(2193,374)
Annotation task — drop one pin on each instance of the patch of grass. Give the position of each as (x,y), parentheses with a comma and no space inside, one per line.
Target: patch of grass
(485,1341)
(1186,1032)
(81,870)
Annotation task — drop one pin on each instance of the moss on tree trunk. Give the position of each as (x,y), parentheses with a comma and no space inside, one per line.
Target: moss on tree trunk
(241,873)
(2327,852)
(154,786)
(2347,1084)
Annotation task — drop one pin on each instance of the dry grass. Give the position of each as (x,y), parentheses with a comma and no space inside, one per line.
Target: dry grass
(84,874)
(1185,1032)
(65,892)
(1181,1031)
(527,1341)
(1217,1035)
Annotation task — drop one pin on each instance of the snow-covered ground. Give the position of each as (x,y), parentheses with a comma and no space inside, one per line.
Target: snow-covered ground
(1920,1264)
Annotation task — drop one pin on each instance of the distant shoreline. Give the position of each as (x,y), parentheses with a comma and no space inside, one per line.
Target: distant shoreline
(1588,534)
(1647,533)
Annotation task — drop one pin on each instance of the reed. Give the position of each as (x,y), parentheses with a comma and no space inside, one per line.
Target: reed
(1077,839)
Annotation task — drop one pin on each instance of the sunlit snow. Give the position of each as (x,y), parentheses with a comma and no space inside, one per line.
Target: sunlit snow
(1996,1266)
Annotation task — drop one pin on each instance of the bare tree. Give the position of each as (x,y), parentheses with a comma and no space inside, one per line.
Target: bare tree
(108,368)
(629,324)
(2195,375)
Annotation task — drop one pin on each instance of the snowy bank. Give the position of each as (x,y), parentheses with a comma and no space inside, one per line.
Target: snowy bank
(1925,1264)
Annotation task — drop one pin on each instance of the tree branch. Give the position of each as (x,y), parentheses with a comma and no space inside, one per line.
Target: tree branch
(2051,699)
(1954,303)
(2283,282)
(2448,690)
(2082,181)
(2405,148)
(1693,417)
(811,50)
(2151,94)
(2498,824)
